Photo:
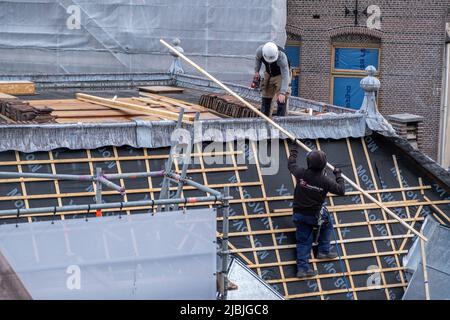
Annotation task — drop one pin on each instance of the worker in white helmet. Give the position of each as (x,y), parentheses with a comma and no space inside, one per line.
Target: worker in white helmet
(277,77)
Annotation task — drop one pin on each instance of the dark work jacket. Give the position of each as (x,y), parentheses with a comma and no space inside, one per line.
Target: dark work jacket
(312,187)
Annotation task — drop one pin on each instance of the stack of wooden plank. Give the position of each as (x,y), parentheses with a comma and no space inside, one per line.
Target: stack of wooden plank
(21,111)
(226,105)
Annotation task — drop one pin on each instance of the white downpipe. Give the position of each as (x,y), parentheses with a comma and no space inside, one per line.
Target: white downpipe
(444,148)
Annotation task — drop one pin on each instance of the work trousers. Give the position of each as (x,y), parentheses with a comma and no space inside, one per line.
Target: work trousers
(305,236)
(270,88)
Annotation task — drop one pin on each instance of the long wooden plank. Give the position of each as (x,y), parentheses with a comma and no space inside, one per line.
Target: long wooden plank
(161,89)
(7,96)
(81,106)
(344,257)
(91,113)
(339,291)
(294,182)
(93,120)
(289,135)
(130,107)
(341,241)
(366,216)
(337,275)
(254,150)
(343,249)
(383,213)
(122,158)
(185,104)
(17,87)
(248,225)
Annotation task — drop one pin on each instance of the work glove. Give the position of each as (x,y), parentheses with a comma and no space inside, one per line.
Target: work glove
(337,172)
(294,151)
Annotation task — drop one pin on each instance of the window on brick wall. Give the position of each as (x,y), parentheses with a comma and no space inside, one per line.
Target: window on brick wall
(293,51)
(348,68)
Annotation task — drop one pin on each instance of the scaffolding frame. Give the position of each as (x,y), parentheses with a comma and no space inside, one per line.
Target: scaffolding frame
(219,199)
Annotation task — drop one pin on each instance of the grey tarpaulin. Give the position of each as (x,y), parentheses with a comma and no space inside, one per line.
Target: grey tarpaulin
(438,264)
(123,35)
(148,134)
(168,256)
(250,285)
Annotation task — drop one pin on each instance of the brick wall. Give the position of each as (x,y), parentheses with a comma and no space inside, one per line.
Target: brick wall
(411,38)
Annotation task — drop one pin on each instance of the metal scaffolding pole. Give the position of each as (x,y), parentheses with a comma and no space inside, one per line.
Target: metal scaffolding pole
(165,188)
(186,159)
(225,252)
(69,177)
(177,178)
(130,204)
(134,175)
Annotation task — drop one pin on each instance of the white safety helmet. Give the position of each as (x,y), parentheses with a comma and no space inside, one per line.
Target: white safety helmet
(270,52)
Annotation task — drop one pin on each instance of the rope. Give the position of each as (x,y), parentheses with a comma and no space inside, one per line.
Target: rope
(338,251)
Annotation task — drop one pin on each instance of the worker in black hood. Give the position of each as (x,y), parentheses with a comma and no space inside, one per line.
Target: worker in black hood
(310,194)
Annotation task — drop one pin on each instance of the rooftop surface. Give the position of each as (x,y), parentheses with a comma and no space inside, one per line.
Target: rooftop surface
(67,108)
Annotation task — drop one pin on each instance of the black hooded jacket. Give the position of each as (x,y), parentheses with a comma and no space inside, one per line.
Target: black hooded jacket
(312,185)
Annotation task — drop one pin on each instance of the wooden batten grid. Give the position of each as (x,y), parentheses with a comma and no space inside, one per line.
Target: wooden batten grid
(251,254)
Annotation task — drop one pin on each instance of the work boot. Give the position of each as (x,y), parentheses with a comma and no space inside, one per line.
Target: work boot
(232,286)
(306,274)
(327,256)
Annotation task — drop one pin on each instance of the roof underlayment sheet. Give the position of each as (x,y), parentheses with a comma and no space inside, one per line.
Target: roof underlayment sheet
(123,36)
(261,230)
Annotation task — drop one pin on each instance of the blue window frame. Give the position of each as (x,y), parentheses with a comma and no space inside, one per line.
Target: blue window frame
(293,51)
(355,58)
(347,92)
(348,68)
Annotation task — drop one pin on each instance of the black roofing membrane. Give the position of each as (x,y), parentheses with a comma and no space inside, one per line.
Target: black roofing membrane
(364,255)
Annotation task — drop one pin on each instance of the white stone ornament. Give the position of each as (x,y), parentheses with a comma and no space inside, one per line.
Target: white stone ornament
(176,67)
(375,121)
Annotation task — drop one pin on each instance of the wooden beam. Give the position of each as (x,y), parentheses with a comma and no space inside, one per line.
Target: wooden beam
(7,96)
(132,108)
(290,136)
(161,89)
(17,87)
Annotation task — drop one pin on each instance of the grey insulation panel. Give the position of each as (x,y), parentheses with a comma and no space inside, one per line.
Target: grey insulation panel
(166,256)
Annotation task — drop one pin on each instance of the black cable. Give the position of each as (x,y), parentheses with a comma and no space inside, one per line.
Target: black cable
(185,205)
(88,211)
(17,217)
(120,210)
(54,213)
